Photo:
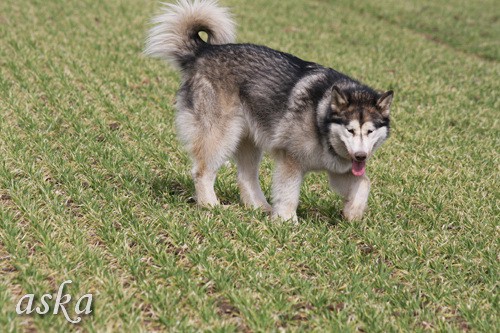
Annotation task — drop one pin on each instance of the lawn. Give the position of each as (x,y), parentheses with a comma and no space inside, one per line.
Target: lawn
(95,188)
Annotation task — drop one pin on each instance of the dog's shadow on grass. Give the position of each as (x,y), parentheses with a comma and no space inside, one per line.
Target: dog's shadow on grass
(180,189)
(331,216)
(176,188)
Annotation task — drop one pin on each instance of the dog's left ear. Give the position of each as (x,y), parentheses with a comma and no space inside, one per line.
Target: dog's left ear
(384,103)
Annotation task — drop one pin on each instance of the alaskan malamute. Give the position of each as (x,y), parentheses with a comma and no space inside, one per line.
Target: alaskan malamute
(238,100)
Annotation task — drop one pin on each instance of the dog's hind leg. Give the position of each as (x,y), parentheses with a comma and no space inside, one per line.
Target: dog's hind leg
(211,150)
(204,179)
(354,190)
(210,144)
(248,157)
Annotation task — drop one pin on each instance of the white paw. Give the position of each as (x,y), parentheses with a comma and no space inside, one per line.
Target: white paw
(207,201)
(262,205)
(286,216)
(352,213)
(265,207)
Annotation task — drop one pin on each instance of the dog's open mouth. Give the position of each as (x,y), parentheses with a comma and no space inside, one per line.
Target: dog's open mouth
(358,168)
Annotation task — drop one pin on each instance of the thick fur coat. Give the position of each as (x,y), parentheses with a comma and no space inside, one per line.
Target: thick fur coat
(239,100)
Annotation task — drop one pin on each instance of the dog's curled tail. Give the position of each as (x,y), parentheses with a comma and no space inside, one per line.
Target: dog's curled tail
(175,34)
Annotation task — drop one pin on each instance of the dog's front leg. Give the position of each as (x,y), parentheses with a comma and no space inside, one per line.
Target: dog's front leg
(355,190)
(286,187)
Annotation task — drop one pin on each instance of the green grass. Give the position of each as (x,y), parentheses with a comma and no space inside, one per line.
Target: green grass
(94,186)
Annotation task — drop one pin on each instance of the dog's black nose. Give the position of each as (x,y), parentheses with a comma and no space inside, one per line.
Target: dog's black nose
(360,157)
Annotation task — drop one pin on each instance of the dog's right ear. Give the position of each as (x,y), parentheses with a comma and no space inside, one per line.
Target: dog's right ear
(384,102)
(339,99)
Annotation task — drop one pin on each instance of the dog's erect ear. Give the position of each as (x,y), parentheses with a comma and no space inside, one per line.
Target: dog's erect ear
(339,99)
(384,103)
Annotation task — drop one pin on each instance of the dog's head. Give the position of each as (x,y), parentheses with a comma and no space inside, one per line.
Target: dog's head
(357,123)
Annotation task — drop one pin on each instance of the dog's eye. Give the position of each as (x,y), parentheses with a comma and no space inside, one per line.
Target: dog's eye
(369,132)
(351,131)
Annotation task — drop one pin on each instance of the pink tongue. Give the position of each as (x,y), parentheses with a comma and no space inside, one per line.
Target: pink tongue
(358,168)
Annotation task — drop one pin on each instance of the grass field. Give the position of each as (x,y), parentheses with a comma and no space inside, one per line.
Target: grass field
(94,186)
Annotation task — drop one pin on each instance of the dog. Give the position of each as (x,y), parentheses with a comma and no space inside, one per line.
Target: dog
(239,100)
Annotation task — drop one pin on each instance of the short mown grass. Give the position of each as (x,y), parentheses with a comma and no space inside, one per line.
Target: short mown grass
(94,186)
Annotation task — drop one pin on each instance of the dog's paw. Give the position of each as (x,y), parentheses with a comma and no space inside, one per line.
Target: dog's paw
(266,208)
(292,217)
(353,213)
(207,202)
